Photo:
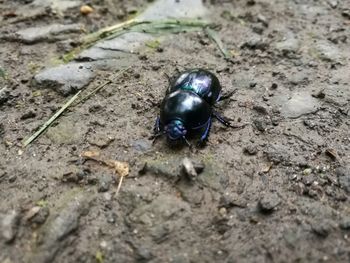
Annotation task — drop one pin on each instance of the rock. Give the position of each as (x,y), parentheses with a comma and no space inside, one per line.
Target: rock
(321,227)
(142,145)
(101,141)
(9,225)
(104,183)
(66,79)
(258,28)
(251,2)
(255,42)
(132,41)
(262,19)
(319,94)
(244,79)
(66,132)
(277,154)
(346,13)
(289,46)
(188,169)
(57,5)
(143,254)
(299,78)
(180,258)
(4,96)
(129,42)
(213,177)
(160,167)
(345,223)
(343,174)
(269,202)
(260,124)
(300,103)
(60,225)
(32,212)
(111,218)
(41,216)
(37,215)
(333,3)
(192,194)
(12,178)
(327,52)
(292,236)
(229,200)
(163,208)
(260,109)
(163,9)
(28,115)
(250,149)
(161,232)
(47,33)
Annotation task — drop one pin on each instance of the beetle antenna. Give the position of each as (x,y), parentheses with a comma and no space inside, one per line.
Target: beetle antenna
(187,142)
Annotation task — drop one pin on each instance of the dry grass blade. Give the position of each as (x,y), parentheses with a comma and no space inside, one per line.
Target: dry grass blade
(87,96)
(51,120)
(68,104)
(133,25)
(158,26)
(98,88)
(214,37)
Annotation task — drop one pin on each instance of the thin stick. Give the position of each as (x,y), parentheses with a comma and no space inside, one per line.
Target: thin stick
(51,120)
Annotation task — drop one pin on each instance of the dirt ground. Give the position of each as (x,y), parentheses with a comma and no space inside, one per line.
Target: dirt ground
(275,191)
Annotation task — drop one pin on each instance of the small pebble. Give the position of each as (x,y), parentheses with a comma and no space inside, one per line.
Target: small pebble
(345,223)
(269,202)
(8,225)
(321,229)
(250,150)
(85,10)
(28,115)
(188,169)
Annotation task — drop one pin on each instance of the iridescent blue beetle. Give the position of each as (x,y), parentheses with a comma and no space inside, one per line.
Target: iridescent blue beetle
(188,106)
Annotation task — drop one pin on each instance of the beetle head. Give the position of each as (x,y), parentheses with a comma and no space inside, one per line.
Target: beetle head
(175,130)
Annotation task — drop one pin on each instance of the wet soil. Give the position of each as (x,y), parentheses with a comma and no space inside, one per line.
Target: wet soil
(275,191)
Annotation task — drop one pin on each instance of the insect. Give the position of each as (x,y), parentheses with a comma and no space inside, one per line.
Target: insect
(188,106)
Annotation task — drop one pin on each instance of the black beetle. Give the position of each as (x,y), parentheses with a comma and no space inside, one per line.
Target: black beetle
(188,106)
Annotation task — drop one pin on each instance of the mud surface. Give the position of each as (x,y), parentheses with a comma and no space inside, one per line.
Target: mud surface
(275,191)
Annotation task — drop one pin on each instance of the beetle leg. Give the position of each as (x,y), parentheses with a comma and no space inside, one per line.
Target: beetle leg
(205,135)
(227,123)
(157,128)
(169,81)
(226,95)
(157,131)
(221,119)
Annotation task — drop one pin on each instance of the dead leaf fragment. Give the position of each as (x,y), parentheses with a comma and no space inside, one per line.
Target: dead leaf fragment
(120,168)
(90,154)
(266,167)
